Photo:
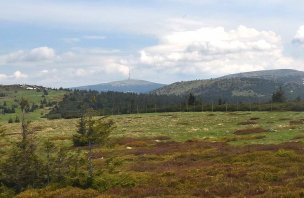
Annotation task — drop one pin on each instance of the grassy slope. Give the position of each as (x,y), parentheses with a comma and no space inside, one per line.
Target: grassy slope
(187,126)
(151,151)
(14,94)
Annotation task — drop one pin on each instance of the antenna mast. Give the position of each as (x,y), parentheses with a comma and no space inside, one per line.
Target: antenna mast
(129,74)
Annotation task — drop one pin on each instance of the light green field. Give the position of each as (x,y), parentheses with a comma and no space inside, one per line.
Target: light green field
(188,126)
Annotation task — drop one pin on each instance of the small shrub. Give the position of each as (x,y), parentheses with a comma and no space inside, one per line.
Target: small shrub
(107,181)
(17,120)
(10,120)
(67,192)
(254,118)
(6,192)
(291,155)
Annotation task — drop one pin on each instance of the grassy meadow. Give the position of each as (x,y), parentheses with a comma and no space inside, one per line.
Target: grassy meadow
(13,95)
(201,154)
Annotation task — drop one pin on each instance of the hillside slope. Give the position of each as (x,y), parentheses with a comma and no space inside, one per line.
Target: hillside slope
(40,99)
(250,86)
(134,86)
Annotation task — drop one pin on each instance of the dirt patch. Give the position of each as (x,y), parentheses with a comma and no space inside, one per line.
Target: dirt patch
(132,142)
(173,147)
(249,122)
(211,114)
(298,137)
(254,118)
(137,144)
(296,122)
(250,131)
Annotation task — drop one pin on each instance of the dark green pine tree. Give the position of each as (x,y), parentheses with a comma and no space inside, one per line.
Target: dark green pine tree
(22,167)
(80,139)
(191,99)
(279,96)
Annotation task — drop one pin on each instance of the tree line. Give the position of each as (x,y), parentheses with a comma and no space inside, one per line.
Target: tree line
(113,103)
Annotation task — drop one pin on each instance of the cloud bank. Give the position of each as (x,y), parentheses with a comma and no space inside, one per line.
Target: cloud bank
(217,51)
(299,37)
(33,55)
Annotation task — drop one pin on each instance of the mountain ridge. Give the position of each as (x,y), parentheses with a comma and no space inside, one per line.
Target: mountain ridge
(243,87)
(129,85)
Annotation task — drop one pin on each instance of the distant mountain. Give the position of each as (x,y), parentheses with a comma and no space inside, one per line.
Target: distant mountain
(134,86)
(284,75)
(242,87)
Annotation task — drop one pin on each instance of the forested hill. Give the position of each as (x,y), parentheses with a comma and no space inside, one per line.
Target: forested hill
(106,103)
(243,87)
(283,75)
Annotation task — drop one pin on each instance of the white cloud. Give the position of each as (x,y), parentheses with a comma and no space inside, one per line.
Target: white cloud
(45,71)
(77,66)
(192,52)
(3,76)
(216,51)
(34,55)
(19,75)
(299,37)
(16,77)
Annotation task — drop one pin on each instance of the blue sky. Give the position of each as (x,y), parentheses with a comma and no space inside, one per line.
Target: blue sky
(78,42)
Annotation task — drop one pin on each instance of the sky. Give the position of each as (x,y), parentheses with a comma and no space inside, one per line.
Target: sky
(68,43)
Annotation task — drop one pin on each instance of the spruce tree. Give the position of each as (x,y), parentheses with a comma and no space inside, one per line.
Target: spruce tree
(92,132)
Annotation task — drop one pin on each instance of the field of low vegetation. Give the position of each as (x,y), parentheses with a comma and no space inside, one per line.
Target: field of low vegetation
(198,154)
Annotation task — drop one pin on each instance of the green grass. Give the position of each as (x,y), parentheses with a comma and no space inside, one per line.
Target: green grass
(189,126)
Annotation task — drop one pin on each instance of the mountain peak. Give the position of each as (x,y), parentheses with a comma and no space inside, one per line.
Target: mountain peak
(129,85)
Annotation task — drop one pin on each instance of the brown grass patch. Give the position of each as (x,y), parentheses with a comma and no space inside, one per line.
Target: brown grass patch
(137,144)
(296,122)
(249,122)
(250,131)
(173,147)
(163,138)
(298,137)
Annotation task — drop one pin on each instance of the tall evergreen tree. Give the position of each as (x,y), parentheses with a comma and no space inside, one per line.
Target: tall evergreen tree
(279,96)
(22,167)
(92,132)
(191,99)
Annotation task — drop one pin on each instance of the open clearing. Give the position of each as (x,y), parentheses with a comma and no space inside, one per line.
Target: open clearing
(192,154)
